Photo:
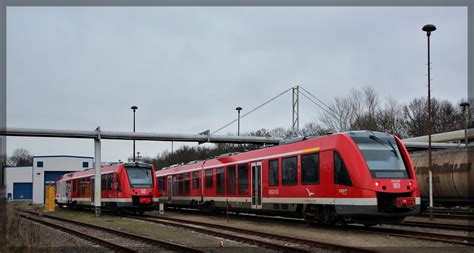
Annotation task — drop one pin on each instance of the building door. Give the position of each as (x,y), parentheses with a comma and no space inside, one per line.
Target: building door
(92,186)
(256,185)
(22,191)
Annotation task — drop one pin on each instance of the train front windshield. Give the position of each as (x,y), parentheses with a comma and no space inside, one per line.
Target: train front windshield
(382,156)
(140,177)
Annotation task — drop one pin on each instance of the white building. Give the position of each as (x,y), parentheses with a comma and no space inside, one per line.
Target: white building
(45,170)
(19,183)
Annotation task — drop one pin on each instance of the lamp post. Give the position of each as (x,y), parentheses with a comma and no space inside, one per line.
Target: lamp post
(428,29)
(238,119)
(465,111)
(134,108)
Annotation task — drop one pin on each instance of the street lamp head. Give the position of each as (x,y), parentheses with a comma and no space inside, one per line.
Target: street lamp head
(134,107)
(238,108)
(428,29)
(464,104)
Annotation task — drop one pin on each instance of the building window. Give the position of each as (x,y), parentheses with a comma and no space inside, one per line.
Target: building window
(209,178)
(243,175)
(230,178)
(289,171)
(85,164)
(195,179)
(39,164)
(220,181)
(273,173)
(310,169)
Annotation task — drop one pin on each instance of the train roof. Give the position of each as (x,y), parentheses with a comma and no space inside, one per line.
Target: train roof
(105,169)
(289,148)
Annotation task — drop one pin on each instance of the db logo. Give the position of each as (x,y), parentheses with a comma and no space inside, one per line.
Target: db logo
(396,185)
(143,191)
(343,191)
(273,192)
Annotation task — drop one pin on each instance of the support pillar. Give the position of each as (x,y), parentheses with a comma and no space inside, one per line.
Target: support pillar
(97,180)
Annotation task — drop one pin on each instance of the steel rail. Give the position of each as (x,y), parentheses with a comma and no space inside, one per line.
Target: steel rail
(465,240)
(188,224)
(108,244)
(457,227)
(162,243)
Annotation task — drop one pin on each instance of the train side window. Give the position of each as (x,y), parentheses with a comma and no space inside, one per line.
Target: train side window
(187,186)
(341,176)
(220,181)
(117,182)
(180,184)
(230,179)
(310,169)
(209,178)
(160,184)
(195,179)
(243,176)
(289,174)
(102,182)
(110,181)
(175,185)
(273,172)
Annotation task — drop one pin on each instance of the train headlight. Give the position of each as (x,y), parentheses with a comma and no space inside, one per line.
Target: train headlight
(377,183)
(410,184)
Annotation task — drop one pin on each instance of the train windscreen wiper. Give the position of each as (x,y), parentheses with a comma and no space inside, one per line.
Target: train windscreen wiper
(377,139)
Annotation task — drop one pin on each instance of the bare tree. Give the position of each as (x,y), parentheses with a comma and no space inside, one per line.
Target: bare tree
(20,157)
(445,116)
(390,118)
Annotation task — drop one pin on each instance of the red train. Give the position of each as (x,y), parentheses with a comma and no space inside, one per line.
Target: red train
(360,176)
(125,186)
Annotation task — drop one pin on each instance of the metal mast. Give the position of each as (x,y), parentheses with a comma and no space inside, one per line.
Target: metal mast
(296,110)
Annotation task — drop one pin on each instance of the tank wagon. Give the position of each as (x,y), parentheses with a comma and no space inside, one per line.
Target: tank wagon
(361,176)
(453,176)
(125,186)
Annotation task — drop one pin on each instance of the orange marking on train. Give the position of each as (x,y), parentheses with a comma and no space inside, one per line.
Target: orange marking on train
(310,150)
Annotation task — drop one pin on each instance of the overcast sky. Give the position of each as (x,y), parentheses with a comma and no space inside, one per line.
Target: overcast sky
(187,68)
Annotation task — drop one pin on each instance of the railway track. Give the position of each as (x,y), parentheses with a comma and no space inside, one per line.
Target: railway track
(267,240)
(455,239)
(457,227)
(440,237)
(116,240)
(447,215)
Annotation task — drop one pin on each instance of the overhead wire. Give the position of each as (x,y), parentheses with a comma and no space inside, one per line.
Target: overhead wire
(328,109)
(251,111)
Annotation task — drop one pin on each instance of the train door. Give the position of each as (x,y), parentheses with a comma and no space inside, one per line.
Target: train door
(256,185)
(92,187)
(344,201)
(169,191)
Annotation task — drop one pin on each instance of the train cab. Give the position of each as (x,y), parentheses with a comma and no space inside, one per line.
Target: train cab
(381,173)
(124,187)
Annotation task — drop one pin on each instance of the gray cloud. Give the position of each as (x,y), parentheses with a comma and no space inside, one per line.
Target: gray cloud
(188,68)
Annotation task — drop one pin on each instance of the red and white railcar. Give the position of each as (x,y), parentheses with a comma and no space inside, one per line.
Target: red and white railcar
(361,176)
(124,186)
